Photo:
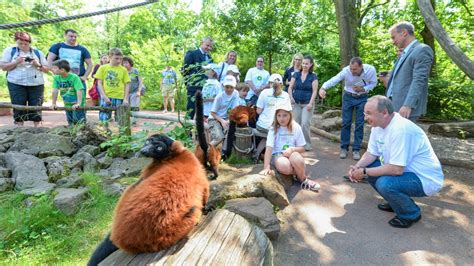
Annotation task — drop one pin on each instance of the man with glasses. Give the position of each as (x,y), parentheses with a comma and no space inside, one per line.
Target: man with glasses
(359,79)
(257,79)
(74,53)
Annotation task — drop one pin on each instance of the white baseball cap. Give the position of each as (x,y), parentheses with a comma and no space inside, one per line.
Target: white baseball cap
(233,68)
(229,80)
(284,106)
(276,78)
(214,67)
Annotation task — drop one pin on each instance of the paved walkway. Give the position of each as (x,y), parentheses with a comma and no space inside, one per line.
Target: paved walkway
(341,224)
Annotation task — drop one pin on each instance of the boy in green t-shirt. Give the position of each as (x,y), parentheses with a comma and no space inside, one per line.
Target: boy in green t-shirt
(113,83)
(69,85)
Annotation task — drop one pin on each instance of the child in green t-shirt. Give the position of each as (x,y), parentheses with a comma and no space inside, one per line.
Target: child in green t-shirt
(69,85)
(113,83)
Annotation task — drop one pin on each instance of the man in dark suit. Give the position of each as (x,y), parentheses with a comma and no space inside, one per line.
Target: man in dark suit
(408,84)
(194,77)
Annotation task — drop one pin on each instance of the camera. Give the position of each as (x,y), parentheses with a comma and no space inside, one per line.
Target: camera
(28,59)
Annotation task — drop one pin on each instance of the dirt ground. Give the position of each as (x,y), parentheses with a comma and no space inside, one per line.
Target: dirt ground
(341,225)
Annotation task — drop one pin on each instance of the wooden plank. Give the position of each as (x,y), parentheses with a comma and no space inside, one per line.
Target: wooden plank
(118,258)
(256,248)
(209,237)
(236,238)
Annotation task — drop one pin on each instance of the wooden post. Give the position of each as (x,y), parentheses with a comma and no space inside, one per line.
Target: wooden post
(123,117)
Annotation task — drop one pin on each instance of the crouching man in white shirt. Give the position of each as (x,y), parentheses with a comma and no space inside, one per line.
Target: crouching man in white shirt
(399,163)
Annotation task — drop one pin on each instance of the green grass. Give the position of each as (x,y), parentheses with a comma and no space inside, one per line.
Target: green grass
(235,161)
(41,235)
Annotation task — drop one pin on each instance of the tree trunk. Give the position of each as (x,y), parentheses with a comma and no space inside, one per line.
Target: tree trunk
(347,21)
(429,40)
(451,49)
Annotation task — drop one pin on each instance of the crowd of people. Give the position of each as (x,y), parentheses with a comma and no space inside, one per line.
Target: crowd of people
(116,81)
(399,162)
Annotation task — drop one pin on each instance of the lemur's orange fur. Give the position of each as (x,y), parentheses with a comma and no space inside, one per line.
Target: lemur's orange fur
(163,206)
(241,115)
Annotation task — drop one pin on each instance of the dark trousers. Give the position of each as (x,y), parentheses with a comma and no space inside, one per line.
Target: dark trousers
(191,102)
(28,96)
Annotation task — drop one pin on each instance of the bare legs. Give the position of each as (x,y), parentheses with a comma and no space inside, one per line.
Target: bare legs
(165,103)
(293,165)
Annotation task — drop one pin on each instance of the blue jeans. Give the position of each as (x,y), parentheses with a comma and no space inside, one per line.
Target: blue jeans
(105,116)
(349,103)
(397,190)
(75,117)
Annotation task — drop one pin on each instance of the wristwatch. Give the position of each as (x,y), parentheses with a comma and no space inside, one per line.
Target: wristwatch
(365,172)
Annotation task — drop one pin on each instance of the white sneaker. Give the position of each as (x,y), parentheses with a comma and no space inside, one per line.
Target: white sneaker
(356,155)
(343,154)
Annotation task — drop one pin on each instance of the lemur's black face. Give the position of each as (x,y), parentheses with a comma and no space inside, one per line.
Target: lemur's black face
(157,146)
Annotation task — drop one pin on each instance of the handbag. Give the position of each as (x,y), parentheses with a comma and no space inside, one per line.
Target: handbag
(93,92)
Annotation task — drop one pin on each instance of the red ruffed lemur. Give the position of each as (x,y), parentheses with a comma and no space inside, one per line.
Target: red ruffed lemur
(162,206)
(208,153)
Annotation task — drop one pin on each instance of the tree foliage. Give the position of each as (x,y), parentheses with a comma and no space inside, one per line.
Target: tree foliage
(160,33)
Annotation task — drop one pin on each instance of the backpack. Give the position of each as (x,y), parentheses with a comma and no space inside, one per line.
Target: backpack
(15,49)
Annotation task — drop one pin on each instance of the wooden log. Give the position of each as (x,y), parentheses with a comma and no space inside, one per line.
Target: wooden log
(49,108)
(123,119)
(461,130)
(162,117)
(221,238)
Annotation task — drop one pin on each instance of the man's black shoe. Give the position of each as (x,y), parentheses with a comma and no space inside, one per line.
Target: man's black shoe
(403,223)
(385,207)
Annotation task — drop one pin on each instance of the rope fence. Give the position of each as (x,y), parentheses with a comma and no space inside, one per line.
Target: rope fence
(61,19)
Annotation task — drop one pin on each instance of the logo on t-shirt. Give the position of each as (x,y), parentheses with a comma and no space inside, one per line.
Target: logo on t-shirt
(259,78)
(112,79)
(73,57)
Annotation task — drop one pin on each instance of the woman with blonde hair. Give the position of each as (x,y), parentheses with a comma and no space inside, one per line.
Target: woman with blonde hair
(295,67)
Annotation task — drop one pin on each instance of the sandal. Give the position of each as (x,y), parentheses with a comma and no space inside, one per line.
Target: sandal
(309,184)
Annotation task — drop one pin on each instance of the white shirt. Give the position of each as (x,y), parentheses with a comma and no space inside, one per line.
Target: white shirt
(241,102)
(367,79)
(283,139)
(259,78)
(403,143)
(24,74)
(223,70)
(223,103)
(211,88)
(268,103)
